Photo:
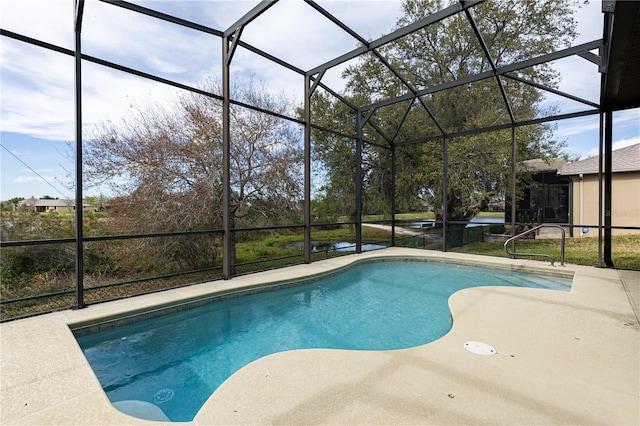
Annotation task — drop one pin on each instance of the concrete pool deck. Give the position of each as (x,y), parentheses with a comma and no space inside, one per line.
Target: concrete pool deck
(562,358)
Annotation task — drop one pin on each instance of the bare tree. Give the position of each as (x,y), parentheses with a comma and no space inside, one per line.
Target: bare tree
(165,163)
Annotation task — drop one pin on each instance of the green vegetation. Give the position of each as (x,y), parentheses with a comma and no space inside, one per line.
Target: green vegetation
(121,268)
(127,267)
(578,251)
(490,214)
(281,245)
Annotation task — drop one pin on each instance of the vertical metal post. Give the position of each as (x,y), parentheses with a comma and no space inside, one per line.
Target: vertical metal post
(514,153)
(358,179)
(307,169)
(226,153)
(445,192)
(393,195)
(605,198)
(600,194)
(79,259)
(608,187)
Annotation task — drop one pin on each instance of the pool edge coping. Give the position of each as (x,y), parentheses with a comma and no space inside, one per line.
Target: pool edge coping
(86,326)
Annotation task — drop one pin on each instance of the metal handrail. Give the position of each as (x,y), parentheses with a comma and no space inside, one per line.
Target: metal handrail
(523,234)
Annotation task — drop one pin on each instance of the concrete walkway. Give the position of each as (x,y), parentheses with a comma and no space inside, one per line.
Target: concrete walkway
(562,358)
(399,229)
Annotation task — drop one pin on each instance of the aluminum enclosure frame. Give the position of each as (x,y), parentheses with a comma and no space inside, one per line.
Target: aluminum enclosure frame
(231,39)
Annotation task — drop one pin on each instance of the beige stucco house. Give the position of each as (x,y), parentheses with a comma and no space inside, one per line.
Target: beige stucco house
(625,201)
(50,205)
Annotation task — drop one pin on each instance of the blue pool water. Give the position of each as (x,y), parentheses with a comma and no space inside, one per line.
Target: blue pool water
(178,360)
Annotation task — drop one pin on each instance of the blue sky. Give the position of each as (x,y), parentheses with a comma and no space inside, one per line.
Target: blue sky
(36,85)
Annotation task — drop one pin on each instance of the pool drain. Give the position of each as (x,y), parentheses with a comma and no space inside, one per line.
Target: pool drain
(479,348)
(162,396)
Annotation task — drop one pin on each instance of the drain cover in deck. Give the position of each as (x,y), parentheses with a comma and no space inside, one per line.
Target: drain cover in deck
(479,348)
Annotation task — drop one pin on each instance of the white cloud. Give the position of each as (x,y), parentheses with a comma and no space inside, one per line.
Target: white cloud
(108,94)
(37,96)
(50,20)
(627,120)
(29,179)
(37,91)
(305,38)
(219,16)
(622,143)
(42,171)
(579,78)
(590,21)
(626,142)
(20,153)
(381,16)
(37,85)
(576,126)
(147,44)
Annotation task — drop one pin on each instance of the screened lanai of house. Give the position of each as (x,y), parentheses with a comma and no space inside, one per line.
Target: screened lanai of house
(279,43)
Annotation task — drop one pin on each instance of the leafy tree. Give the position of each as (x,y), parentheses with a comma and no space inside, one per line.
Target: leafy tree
(164,162)
(478,165)
(15,200)
(10,204)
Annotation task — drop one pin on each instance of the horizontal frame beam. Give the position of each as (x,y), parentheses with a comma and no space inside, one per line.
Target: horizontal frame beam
(163,16)
(502,127)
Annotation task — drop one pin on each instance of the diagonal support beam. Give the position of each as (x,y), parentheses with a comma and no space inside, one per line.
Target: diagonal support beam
(380,132)
(234,43)
(188,24)
(393,36)
(315,83)
(367,117)
(551,56)
(272,58)
(409,86)
(591,57)
(404,117)
(549,89)
(338,96)
(433,117)
(487,54)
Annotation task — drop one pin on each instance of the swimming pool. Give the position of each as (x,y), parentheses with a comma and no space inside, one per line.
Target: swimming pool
(177,361)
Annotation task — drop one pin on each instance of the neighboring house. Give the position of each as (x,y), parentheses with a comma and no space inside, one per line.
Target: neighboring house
(625,195)
(49,205)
